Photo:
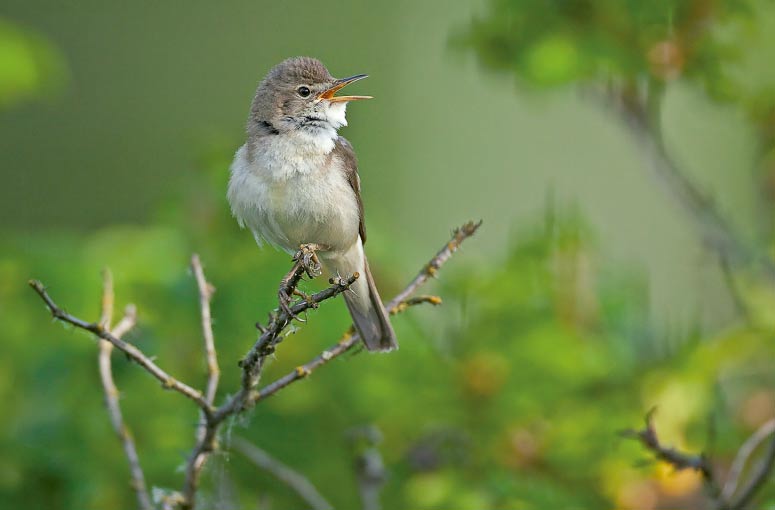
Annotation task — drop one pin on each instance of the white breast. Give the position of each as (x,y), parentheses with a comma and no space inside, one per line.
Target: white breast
(290,190)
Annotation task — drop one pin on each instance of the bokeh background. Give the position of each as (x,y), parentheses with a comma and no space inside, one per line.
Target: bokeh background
(592,293)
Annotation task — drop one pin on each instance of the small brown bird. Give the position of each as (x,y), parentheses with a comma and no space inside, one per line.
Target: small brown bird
(295,181)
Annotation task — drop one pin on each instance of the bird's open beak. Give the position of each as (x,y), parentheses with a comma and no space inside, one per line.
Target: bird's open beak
(338,84)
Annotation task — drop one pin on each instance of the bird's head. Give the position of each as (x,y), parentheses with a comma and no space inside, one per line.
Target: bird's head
(298,95)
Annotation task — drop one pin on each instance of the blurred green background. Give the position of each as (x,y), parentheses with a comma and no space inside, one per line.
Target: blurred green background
(591,294)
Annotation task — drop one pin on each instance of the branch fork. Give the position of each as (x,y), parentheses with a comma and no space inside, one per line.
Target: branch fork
(211,417)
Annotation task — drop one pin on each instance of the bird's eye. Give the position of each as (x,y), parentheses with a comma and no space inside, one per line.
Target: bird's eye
(303,91)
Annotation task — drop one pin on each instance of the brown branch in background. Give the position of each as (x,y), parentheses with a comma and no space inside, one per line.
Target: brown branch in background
(294,480)
(132,352)
(679,460)
(111,391)
(639,107)
(723,499)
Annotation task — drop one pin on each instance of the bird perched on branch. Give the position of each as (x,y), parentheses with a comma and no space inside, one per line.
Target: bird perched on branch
(295,182)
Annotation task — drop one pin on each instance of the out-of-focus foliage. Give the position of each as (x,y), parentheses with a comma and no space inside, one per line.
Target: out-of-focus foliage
(561,42)
(30,66)
(634,51)
(708,42)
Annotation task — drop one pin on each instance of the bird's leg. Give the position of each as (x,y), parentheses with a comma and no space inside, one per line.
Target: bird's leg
(306,260)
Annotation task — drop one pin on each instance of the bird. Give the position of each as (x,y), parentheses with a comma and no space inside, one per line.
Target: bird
(295,182)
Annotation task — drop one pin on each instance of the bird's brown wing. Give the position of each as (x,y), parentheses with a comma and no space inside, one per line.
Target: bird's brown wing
(344,150)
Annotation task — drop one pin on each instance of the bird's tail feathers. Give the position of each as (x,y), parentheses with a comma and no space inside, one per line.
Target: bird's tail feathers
(369,315)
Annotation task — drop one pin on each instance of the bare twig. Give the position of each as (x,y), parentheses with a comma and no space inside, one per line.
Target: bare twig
(111,391)
(206,291)
(126,323)
(459,235)
(132,352)
(293,479)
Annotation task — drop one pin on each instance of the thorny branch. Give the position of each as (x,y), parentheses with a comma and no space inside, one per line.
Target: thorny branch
(398,304)
(726,498)
(252,363)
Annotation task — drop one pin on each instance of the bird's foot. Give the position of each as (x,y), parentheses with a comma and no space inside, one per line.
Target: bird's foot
(307,256)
